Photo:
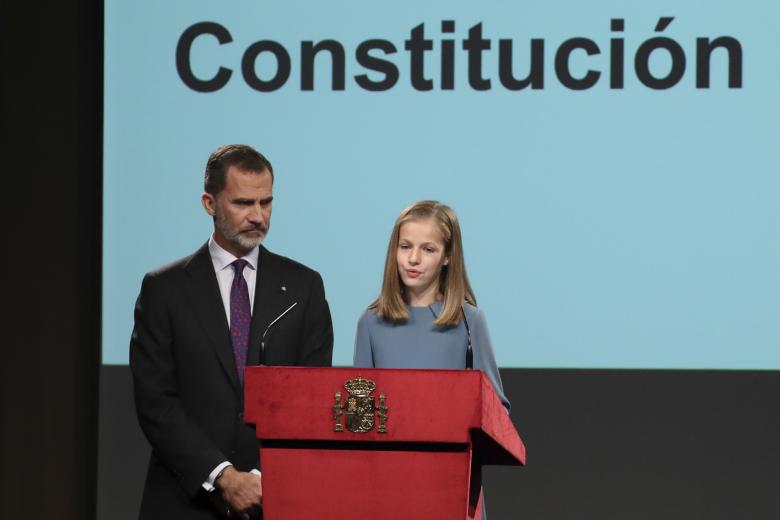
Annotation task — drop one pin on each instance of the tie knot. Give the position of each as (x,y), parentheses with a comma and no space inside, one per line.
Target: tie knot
(238,266)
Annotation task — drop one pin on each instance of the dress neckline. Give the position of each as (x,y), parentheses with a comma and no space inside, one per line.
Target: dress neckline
(435,306)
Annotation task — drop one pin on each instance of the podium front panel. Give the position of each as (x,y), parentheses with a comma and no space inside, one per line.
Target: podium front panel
(302,484)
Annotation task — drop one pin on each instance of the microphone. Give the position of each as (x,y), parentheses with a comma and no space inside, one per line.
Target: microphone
(469,351)
(262,339)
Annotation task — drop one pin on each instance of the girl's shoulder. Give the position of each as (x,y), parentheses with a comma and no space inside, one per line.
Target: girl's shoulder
(473,314)
(471,310)
(370,318)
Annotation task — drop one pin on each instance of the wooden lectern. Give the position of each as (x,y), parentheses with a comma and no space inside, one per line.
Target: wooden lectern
(420,439)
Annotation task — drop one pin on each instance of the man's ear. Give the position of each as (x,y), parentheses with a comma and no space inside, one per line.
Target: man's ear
(209,203)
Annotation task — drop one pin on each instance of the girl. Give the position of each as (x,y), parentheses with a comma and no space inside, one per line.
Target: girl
(426,314)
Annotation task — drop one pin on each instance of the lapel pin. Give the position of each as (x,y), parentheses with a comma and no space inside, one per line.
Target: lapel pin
(284,289)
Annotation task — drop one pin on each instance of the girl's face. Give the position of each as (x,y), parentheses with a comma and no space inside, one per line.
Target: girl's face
(420,257)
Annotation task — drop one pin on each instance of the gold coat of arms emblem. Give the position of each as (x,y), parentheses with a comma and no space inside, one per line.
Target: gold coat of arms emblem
(359,409)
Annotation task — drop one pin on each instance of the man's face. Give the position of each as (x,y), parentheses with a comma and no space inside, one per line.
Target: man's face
(241,211)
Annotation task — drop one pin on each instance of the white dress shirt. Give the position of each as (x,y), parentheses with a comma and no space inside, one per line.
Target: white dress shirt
(222,261)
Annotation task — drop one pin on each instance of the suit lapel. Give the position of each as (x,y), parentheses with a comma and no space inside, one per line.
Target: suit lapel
(210,311)
(270,301)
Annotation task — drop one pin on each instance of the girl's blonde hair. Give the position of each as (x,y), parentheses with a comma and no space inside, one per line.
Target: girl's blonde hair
(453,281)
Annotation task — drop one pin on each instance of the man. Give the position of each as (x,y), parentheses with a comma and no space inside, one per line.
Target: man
(198,322)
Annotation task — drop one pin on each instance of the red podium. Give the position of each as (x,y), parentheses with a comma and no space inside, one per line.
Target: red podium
(420,439)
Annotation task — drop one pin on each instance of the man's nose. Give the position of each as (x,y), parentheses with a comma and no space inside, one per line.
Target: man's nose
(256,215)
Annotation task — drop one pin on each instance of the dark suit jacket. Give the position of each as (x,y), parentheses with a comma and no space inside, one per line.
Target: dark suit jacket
(187,393)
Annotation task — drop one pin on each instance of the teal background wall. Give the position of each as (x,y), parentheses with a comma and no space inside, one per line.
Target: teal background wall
(604,228)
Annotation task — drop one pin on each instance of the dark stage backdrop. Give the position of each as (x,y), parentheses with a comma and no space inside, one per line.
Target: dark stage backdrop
(602,444)
(50,162)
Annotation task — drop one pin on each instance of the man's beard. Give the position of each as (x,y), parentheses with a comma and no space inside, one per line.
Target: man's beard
(238,237)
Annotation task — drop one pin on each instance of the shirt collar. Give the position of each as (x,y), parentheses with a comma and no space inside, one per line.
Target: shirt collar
(222,259)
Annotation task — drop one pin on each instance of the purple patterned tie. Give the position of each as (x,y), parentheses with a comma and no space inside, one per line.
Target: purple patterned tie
(240,316)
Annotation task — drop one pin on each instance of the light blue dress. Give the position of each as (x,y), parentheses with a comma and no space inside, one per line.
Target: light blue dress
(418,343)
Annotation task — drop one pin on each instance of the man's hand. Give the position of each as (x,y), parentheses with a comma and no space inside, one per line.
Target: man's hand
(242,491)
